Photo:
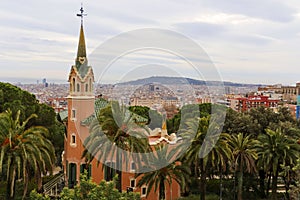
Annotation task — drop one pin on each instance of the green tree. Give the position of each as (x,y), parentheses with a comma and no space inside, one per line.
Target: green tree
(294,191)
(142,111)
(23,149)
(236,122)
(244,156)
(166,173)
(91,191)
(219,151)
(34,195)
(274,149)
(16,99)
(261,118)
(57,136)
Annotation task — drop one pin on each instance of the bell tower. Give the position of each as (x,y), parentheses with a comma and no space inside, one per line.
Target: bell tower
(81,101)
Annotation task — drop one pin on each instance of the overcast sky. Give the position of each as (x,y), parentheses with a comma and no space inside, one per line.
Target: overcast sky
(249,41)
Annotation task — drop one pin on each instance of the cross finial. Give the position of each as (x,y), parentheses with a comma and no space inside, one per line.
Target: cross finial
(81,14)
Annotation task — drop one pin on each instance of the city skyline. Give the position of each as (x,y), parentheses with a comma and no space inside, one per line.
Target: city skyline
(248,41)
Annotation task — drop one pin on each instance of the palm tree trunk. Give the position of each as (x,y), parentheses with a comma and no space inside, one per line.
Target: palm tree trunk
(240,183)
(262,176)
(162,189)
(274,185)
(8,187)
(268,185)
(119,170)
(39,181)
(203,180)
(196,168)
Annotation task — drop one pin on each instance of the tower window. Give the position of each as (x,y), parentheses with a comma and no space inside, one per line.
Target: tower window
(78,87)
(132,166)
(73,85)
(72,175)
(90,83)
(73,114)
(132,183)
(143,191)
(86,87)
(73,140)
(109,170)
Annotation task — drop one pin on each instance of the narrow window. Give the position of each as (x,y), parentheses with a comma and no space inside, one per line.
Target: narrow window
(132,183)
(132,167)
(72,175)
(143,191)
(109,171)
(73,114)
(86,87)
(73,85)
(78,87)
(90,83)
(73,139)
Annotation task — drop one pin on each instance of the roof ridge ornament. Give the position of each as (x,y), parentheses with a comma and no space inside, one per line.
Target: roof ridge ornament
(81,14)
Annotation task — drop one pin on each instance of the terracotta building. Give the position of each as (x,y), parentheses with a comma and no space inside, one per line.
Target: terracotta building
(81,107)
(246,103)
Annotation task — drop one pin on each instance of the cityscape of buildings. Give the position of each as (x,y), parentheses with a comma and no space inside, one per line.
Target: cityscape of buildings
(156,95)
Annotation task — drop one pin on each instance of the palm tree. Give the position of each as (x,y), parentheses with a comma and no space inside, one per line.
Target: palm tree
(244,156)
(215,143)
(114,134)
(23,148)
(274,149)
(159,172)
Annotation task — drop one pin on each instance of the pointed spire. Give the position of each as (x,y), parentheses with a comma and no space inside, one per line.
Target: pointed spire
(81,52)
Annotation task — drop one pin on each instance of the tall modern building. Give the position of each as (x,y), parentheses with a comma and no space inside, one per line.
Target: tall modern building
(81,111)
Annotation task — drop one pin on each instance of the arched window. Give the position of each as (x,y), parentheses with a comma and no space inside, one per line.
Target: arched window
(73,139)
(90,82)
(78,87)
(86,87)
(73,85)
(143,191)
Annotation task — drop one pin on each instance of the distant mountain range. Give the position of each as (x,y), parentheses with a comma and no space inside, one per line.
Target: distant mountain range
(181,80)
(164,80)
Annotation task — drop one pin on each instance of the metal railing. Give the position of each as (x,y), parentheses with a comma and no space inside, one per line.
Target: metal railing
(54,186)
